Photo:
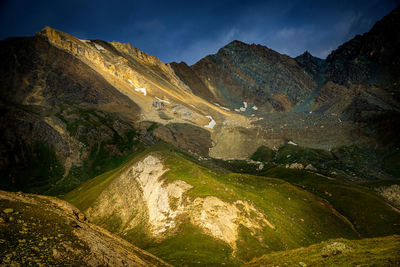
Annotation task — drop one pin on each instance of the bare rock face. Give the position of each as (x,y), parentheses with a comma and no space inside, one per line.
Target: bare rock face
(41,230)
(253,73)
(222,220)
(140,196)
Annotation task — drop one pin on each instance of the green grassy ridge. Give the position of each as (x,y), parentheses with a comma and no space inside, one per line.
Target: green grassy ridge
(382,251)
(369,213)
(300,217)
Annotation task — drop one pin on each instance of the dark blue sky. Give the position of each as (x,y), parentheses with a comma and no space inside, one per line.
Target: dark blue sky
(189,30)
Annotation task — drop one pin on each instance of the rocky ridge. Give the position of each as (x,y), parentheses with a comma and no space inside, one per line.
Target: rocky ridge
(40,230)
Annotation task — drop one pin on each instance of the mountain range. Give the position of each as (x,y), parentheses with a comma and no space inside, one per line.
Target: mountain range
(246,153)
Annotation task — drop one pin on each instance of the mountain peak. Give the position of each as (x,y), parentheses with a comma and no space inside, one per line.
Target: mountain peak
(237,42)
(306,54)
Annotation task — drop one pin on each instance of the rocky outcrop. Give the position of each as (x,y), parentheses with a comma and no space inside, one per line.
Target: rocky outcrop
(390,194)
(222,220)
(27,239)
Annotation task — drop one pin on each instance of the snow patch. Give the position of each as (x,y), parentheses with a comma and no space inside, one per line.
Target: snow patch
(84,41)
(211,124)
(99,47)
(243,109)
(218,105)
(255,107)
(292,143)
(162,100)
(142,90)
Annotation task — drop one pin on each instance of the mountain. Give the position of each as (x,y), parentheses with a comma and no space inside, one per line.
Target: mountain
(41,230)
(254,74)
(78,108)
(370,58)
(246,153)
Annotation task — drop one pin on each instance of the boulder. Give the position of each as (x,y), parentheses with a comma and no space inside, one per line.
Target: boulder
(333,249)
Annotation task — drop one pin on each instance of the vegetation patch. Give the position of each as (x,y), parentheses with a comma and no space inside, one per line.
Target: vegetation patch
(370,214)
(383,251)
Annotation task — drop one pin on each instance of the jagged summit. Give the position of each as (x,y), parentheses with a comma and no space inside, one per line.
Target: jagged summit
(306,54)
(241,47)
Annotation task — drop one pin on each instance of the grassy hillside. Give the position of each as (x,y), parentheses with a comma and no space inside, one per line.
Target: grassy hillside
(370,214)
(382,251)
(299,217)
